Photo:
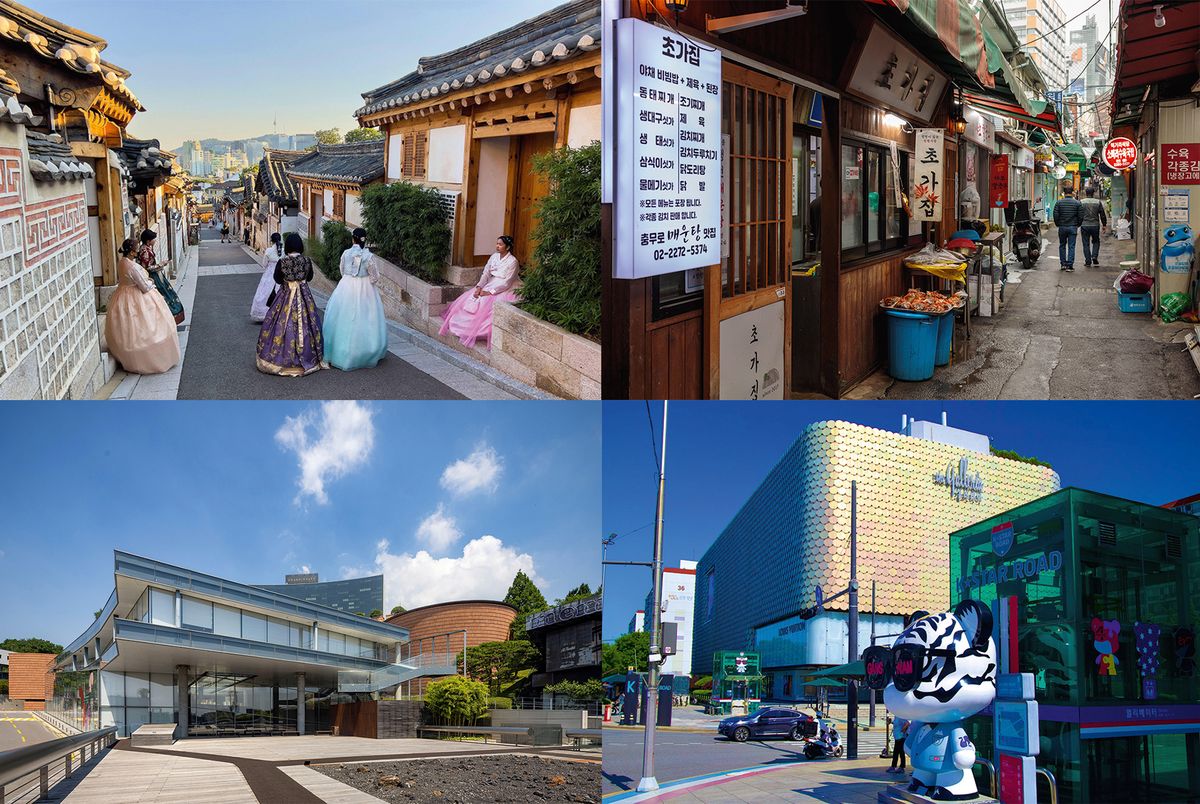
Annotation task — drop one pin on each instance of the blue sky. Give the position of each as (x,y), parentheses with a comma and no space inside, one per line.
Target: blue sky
(224,68)
(717,454)
(465,493)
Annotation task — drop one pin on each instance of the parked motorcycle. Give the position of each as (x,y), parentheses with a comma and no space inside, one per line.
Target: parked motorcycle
(827,743)
(1027,242)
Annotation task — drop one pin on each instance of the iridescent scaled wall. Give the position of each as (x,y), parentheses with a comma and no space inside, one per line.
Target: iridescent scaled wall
(794,531)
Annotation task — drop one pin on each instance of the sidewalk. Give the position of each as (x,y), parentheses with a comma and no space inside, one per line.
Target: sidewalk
(1059,336)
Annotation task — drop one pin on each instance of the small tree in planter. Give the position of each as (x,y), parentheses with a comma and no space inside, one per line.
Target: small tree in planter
(456,700)
(335,238)
(407,225)
(562,285)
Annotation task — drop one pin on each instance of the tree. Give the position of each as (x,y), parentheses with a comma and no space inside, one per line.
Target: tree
(498,664)
(590,690)
(398,610)
(524,596)
(375,613)
(629,650)
(364,135)
(456,700)
(329,136)
(578,593)
(31,645)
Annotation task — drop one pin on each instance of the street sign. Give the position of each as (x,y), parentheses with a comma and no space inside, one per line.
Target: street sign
(1120,153)
(1017,727)
(1002,539)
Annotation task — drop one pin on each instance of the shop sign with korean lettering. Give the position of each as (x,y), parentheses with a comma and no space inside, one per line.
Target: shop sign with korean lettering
(667,205)
(892,74)
(927,191)
(998,192)
(1120,153)
(1180,162)
(752,354)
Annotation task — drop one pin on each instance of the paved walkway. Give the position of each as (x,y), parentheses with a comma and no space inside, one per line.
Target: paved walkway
(135,776)
(1060,336)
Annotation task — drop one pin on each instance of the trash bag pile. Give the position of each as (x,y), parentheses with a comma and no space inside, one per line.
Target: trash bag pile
(1133,281)
(920,301)
(1173,306)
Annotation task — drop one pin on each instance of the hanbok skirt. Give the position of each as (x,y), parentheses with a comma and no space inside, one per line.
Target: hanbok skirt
(140,331)
(159,278)
(259,307)
(355,328)
(470,318)
(290,342)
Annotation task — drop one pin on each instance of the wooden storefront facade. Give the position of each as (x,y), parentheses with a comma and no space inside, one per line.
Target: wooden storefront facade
(794,134)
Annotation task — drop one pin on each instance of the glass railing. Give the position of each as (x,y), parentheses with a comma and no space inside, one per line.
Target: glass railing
(430,664)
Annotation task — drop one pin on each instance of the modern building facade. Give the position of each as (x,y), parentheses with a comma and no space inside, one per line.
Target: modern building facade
(757,584)
(679,602)
(1041,25)
(214,656)
(354,595)
(638,621)
(31,679)
(1106,622)
(452,627)
(568,637)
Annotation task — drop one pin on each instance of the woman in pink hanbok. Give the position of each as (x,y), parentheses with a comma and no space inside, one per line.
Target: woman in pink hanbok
(470,315)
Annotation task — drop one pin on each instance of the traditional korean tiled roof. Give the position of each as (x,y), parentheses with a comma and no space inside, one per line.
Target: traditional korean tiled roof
(55,41)
(559,34)
(14,112)
(350,163)
(273,179)
(146,161)
(50,159)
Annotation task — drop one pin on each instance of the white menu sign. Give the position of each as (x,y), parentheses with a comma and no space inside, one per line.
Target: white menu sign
(667,206)
(752,354)
(927,192)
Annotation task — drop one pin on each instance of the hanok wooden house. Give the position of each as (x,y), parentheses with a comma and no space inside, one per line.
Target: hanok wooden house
(470,121)
(154,204)
(330,181)
(276,202)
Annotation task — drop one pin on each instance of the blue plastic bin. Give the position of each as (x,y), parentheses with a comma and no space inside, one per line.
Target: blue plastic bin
(1135,302)
(912,344)
(945,338)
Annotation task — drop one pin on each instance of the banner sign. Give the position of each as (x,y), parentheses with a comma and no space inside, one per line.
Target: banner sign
(927,192)
(1120,153)
(999,184)
(1181,163)
(667,205)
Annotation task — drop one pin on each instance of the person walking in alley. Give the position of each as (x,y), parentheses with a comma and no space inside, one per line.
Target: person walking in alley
(899,733)
(1092,221)
(290,342)
(266,283)
(1067,218)
(355,329)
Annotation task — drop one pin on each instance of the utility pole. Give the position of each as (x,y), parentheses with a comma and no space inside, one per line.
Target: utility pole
(852,684)
(871,718)
(648,782)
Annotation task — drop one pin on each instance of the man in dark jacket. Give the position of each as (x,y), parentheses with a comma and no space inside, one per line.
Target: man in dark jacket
(1091,222)
(1067,219)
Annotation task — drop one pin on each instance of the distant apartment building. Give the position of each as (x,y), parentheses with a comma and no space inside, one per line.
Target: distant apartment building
(1040,24)
(637,623)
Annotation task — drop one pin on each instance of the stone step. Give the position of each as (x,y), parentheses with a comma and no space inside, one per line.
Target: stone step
(462,275)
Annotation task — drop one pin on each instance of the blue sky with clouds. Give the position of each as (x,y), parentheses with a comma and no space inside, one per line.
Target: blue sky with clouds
(717,454)
(224,68)
(463,493)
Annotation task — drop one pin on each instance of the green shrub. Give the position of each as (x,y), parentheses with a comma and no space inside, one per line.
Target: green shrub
(456,700)
(499,703)
(702,696)
(408,226)
(327,254)
(562,277)
(590,690)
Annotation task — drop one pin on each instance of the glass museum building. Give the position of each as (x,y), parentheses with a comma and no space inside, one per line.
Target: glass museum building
(914,488)
(1107,608)
(218,657)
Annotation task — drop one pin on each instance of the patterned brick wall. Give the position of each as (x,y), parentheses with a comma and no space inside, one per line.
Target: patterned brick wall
(30,678)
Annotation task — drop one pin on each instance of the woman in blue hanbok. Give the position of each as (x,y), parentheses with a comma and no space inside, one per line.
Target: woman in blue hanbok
(355,330)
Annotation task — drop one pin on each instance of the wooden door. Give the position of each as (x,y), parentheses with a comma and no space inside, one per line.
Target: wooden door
(529,187)
(316,207)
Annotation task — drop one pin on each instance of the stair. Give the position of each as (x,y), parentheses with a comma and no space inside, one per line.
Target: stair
(423,664)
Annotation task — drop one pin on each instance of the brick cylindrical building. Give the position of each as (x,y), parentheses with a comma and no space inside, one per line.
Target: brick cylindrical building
(483,621)
(31,678)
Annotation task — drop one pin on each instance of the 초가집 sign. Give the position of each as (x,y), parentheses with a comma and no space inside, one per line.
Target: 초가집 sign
(1120,153)
(667,205)
(1180,163)
(927,191)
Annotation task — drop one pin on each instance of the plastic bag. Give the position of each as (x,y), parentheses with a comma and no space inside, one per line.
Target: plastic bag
(1134,281)
(1172,306)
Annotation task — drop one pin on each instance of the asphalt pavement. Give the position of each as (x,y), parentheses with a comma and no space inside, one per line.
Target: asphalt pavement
(19,729)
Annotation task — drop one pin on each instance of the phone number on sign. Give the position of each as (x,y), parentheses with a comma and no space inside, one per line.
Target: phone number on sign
(680,251)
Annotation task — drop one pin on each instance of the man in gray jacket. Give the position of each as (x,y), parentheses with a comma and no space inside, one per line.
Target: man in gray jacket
(1067,219)
(1091,219)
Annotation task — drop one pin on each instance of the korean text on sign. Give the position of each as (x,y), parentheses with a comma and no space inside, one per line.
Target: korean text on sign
(927,191)
(1181,163)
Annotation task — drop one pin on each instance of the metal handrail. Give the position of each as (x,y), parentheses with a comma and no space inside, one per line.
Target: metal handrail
(21,762)
(59,723)
(987,763)
(1051,780)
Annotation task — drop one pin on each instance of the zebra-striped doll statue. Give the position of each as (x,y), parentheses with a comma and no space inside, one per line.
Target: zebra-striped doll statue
(938,672)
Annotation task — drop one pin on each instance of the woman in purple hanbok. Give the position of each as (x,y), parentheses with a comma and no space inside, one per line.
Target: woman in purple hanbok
(290,343)
(470,315)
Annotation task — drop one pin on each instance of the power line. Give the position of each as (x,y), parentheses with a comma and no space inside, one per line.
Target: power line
(653,446)
(1064,25)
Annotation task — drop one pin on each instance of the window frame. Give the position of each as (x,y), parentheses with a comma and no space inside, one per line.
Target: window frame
(882,244)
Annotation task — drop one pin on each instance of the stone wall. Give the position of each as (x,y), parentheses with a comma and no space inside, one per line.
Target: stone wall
(49,347)
(543,355)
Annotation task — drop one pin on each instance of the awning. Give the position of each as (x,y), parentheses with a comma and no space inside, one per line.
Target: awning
(824,682)
(955,24)
(848,670)
(1149,56)
(1047,119)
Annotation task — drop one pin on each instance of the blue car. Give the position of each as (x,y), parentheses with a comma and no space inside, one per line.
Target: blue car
(768,724)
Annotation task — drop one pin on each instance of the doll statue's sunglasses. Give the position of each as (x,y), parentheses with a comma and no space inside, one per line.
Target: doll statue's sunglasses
(902,665)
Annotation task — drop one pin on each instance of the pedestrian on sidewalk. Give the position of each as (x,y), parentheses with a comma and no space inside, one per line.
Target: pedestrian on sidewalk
(1067,219)
(225,232)
(290,342)
(148,260)
(355,328)
(138,328)
(470,315)
(899,733)
(263,295)
(1092,222)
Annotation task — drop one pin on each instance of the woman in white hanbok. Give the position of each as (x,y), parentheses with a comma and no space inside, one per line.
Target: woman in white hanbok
(259,307)
(355,330)
(470,315)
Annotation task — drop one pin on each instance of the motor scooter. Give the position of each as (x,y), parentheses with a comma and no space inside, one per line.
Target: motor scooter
(825,744)
(1027,233)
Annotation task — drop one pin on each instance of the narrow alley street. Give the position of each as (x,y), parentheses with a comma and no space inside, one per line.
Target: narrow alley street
(1059,336)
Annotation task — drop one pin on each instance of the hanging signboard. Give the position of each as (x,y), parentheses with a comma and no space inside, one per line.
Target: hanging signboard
(927,192)
(998,192)
(980,129)
(1120,153)
(752,354)
(1181,163)
(667,205)
(892,74)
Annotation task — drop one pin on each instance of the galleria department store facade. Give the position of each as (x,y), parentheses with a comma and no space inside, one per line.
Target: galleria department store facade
(914,488)
(218,657)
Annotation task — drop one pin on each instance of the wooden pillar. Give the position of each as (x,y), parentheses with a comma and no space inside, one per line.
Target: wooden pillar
(108,219)
(831,247)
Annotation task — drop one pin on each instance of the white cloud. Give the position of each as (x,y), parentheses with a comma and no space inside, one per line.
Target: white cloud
(479,471)
(483,571)
(341,439)
(304,568)
(439,530)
